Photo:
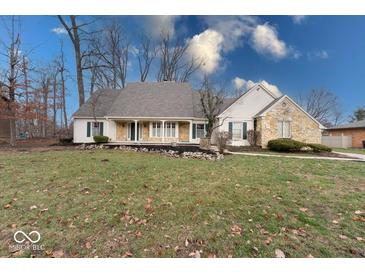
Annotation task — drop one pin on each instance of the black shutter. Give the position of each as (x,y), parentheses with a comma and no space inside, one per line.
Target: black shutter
(194,131)
(230,127)
(101,124)
(88,131)
(244,131)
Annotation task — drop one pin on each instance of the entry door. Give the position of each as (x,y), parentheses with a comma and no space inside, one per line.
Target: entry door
(132,131)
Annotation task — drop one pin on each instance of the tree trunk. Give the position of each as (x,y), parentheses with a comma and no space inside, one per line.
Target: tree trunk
(54,106)
(76,43)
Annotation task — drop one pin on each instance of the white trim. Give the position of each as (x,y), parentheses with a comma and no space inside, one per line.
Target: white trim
(245,94)
(292,101)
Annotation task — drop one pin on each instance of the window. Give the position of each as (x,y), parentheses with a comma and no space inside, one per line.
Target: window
(156,129)
(238,130)
(200,132)
(170,129)
(94,129)
(284,129)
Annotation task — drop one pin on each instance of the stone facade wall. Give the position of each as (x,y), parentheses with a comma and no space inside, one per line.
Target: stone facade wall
(358,134)
(122,131)
(303,128)
(184,131)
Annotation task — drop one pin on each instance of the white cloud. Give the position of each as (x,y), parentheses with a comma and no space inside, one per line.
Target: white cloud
(233,28)
(298,19)
(244,85)
(317,54)
(207,46)
(155,24)
(265,41)
(59,30)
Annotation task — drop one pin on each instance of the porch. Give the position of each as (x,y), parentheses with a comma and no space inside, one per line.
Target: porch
(142,131)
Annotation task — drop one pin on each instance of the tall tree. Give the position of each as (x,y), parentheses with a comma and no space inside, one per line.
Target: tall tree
(146,53)
(211,100)
(74,30)
(323,105)
(174,63)
(358,115)
(14,59)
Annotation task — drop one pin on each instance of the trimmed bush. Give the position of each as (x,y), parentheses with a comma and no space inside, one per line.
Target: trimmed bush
(101,139)
(319,148)
(285,145)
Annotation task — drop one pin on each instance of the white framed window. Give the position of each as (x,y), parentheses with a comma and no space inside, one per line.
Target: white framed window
(156,129)
(284,129)
(170,129)
(200,130)
(96,128)
(236,130)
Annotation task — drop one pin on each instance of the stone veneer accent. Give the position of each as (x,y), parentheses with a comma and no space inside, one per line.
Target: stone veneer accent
(303,128)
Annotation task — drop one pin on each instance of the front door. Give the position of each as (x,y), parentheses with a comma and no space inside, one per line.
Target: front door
(132,131)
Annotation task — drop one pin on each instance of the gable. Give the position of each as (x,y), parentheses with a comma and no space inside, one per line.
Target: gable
(250,103)
(284,108)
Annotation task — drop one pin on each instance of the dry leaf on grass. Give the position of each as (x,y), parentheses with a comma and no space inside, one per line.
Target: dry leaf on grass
(195,254)
(58,254)
(358,212)
(236,230)
(268,240)
(343,237)
(88,245)
(7,206)
(127,254)
(279,253)
(303,209)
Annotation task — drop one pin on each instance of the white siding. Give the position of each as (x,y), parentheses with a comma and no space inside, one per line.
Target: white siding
(243,110)
(80,130)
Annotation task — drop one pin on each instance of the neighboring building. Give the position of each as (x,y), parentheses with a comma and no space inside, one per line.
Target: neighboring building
(4,120)
(355,130)
(167,112)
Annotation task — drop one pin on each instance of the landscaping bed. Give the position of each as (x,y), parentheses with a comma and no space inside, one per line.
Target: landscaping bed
(183,151)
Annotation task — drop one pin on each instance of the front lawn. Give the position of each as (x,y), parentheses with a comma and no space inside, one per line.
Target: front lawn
(110,203)
(350,150)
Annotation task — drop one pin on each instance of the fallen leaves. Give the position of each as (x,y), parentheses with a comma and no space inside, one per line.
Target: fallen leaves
(7,206)
(58,254)
(236,230)
(33,207)
(127,254)
(359,212)
(343,237)
(148,205)
(303,209)
(195,254)
(268,240)
(88,245)
(279,253)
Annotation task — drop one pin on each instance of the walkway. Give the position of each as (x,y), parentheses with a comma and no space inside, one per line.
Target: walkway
(357,157)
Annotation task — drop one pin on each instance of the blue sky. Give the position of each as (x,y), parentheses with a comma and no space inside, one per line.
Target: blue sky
(293,54)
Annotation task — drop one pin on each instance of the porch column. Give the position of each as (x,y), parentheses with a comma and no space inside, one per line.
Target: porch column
(190,131)
(135,130)
(163,131)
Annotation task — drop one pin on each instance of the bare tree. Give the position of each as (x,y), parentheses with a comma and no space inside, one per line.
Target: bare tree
(323,105)
(108,61)
(147,52)
(60,64)
(74,30)
(211,101)
(174,65)
(12,75)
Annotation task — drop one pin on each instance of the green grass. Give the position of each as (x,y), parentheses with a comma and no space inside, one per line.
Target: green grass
(350,150)
(96,199)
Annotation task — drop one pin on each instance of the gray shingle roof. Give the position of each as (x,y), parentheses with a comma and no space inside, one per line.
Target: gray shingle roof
(98,104)
(152,99)
(358,124)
